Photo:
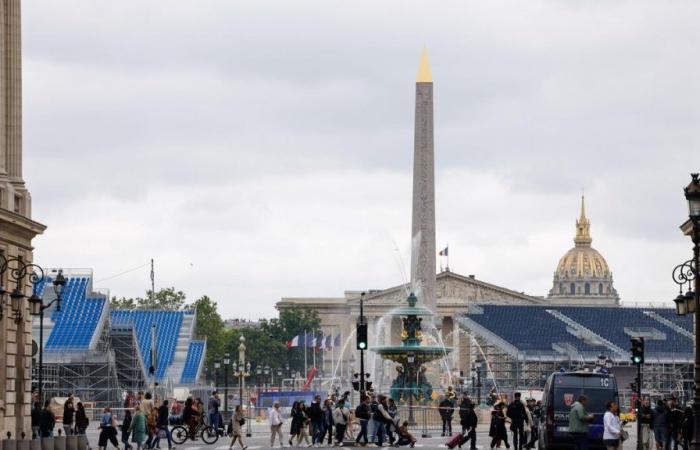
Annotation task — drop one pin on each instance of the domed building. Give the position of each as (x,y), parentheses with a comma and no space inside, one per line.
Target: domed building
(583,276)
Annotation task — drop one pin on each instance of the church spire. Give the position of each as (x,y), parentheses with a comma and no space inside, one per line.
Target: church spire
(583,227)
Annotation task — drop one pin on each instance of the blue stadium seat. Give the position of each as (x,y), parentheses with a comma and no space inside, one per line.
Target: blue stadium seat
(76,322)
(194,357)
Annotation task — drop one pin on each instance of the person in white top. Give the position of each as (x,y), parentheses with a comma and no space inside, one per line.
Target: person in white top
(275,424)
(612,426)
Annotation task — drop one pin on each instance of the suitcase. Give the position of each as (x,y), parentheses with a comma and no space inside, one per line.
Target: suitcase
(455,440)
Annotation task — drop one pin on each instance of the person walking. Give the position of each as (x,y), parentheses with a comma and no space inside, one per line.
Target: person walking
(126,429)
(675,423)
(468,421)
(447,409)
(660,424)
(47,420)
(138,429)
(362,412)
(276,425)
(340,418)
(163,426)
(645,420)
(328,424)
(393,425)
(297,417)
(305,425)
(149,411)
(315,413)
(612,427)
(518,419)
(497,429)
(81,421)
(579,421)
(68,414)
(36,420)
(381,418)
(687,427)
(237,422)
(373,425)
(108,430)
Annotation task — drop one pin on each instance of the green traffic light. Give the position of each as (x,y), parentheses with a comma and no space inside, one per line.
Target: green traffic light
(362,345)
(637,359)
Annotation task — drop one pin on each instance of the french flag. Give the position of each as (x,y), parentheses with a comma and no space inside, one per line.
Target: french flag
(293,342)
(445,251)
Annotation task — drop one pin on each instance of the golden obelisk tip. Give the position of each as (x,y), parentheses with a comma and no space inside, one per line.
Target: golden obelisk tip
(425,75)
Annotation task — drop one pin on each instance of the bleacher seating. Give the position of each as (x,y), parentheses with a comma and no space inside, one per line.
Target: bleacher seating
(532,328)
(610,322)
(79,317)
(167,328)
(528,328)
(193,361)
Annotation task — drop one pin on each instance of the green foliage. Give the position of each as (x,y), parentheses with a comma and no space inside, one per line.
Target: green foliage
(166,298)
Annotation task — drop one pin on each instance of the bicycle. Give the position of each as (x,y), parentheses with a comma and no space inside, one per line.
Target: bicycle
(208,434)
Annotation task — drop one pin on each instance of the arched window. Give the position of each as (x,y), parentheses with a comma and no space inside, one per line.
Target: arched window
(600,288)
(587,288)
(573,289)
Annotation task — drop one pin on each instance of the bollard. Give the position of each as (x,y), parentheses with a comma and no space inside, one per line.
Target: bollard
(24,444)
(82,442)
(59,442)
(9,444)
(35,444)
(72,442)
(46,443)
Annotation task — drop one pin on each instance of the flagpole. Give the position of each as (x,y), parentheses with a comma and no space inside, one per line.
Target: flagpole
(447,255)
(313,342)
(306,367)
(332,362)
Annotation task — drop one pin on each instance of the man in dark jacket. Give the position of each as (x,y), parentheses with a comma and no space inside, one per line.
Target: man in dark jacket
(517,415)
(315,413)
(47,421)
(675,424)
(363,414)
(36,420)
(163,425)
(468,420)
(68,413)
(447,409)
(646,417)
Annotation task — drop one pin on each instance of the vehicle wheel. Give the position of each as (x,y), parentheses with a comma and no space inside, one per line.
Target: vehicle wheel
(179,434)
(209,435)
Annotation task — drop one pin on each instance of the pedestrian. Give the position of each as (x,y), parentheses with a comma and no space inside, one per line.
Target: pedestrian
(68,414)
(497,430)
(328,424)
(468,421)
(612,427)
(447,409)
(297,418)
(579,420)
(47,420)
(213,411)
(138,428)
(340,419)
(126,427)
(687,427)
(150,413)
(36,420)
(237,423)
(381,418)
(675,423)
(405,436)
(362,412)
(108,430)
(535,411)
(373,424)
(305,424)
(163,426)
(518,420)
(315,413)
(190,416)
(645,420)
(660,424)
(393,425)
(276,425)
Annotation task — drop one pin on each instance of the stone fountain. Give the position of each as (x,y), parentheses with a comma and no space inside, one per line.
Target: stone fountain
(410,382)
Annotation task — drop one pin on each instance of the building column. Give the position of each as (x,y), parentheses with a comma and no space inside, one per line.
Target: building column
(3,91)
(13,89)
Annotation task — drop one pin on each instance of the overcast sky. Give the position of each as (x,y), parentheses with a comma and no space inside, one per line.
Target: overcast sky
(264,149)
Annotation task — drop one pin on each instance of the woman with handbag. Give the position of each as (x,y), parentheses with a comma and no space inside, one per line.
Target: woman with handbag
(612,427)
(237,423)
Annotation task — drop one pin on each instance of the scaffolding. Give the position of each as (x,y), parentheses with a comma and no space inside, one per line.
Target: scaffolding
(131,372)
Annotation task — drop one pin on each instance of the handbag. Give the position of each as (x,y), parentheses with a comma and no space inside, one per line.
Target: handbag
(241,422)
(624,435)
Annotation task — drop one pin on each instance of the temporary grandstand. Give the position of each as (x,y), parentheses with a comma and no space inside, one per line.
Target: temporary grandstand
(100,354)
(523,344)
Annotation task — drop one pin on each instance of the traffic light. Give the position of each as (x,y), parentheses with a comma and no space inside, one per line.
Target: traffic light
(637,350)
(362,336)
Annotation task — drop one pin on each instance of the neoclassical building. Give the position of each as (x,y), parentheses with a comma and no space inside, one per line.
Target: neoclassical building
(17,230)
(583,276)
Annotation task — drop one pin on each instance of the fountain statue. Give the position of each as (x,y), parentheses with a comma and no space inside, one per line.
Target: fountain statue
(411,382)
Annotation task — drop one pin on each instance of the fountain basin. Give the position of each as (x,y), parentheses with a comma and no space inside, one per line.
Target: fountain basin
(421,355)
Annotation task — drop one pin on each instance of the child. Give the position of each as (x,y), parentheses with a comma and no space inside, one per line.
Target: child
(405,436)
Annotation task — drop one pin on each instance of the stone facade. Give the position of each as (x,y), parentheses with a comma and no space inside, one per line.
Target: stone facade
(16,230)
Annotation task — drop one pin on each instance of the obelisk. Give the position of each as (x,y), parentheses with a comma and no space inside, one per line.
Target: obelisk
(423,214)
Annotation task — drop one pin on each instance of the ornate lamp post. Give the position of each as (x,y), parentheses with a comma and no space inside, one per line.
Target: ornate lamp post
(478,363)
(242,370)
(688,303)
(217,366)
(37,308)
(279,378)
(227,361)
(267,373)
(411,358)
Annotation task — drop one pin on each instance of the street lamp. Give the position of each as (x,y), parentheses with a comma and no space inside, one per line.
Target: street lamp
(227,361)
(687,273)
(294,381)
(37,308)
(477,365)
(410,359)
(279,377)
(266,371)
(217,366)
(241,371)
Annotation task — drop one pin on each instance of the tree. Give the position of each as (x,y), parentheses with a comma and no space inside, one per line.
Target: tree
(210,326)
(166,298)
